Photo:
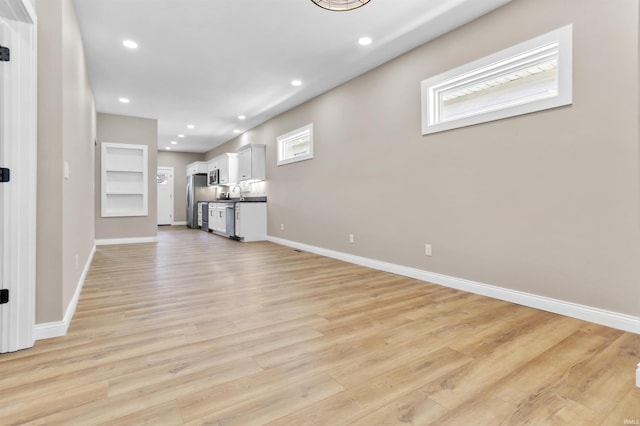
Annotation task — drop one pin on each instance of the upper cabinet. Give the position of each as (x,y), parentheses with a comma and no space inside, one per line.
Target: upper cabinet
(227,166)
(251,162)
(197,168)
(229,169)
(213,164)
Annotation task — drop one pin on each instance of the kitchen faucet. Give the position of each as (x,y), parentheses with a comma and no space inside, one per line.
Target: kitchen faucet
(240,191)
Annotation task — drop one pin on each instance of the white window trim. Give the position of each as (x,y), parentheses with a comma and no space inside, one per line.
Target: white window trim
(431,87)
(295,134)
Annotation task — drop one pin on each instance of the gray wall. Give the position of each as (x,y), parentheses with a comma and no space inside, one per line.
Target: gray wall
(129,130)
(545,203)
(179,161)
(66,133)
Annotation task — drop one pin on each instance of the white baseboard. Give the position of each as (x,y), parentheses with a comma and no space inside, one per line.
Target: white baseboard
(179,223)
(59,328)
(586,313)
(112,241)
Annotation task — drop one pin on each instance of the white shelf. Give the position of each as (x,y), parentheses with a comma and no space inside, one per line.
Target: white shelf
(124,180)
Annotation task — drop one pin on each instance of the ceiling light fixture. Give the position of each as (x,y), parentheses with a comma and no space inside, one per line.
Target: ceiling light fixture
(296,83)
(236,131)
(168,148)
(174,143)
(130,44)
(124,100)
(364,41)
(190,126)
(181,136)
(340,5)
(241,117)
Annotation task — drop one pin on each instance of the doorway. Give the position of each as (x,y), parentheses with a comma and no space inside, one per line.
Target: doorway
(165,195)
(18,103)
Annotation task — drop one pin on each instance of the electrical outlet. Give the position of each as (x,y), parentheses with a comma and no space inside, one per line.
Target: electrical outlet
(427,249)
(282,226)
(351,238)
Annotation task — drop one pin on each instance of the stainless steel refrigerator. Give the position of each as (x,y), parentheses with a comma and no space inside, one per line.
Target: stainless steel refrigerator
(196,186)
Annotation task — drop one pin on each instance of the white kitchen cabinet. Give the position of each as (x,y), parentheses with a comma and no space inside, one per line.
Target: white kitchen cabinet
(227,166)
(221,218)
(218,217)
(213,164)
(252,162)
(229,169)
(212,216)
(244,164)
(197,168)
(251,221)
(216,224)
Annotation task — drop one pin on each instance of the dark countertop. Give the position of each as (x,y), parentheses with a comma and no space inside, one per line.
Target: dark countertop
(238,200)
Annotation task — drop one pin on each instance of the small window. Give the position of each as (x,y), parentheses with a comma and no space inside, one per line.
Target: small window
(163,178)
(296,145)
(531,76)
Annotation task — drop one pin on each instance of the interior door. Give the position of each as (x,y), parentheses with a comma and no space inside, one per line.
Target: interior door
(18,153)
(5,320)
(165,195)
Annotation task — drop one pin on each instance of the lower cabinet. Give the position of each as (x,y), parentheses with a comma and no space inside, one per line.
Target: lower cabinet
(247,220)
(221,216)
(217,217)
(251,221)
(212,217)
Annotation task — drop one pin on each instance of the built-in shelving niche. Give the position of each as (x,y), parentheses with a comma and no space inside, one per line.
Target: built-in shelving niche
(124,180)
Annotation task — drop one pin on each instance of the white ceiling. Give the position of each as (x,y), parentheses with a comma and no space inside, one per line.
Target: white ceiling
(204,62)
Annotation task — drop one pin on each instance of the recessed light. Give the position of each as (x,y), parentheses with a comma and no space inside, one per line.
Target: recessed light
(124,100)
(181,136)
(236,131)
(296,83)
(190,126)
(168,148)
(364,41)
(241,117)
(174,143)
(130,44)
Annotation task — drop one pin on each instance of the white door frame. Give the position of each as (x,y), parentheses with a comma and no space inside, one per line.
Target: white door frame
(18,152)
(173,203)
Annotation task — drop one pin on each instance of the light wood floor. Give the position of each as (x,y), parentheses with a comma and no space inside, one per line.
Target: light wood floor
(197,329)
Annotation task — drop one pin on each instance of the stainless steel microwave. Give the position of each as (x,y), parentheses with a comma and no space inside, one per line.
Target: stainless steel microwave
(214,177)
